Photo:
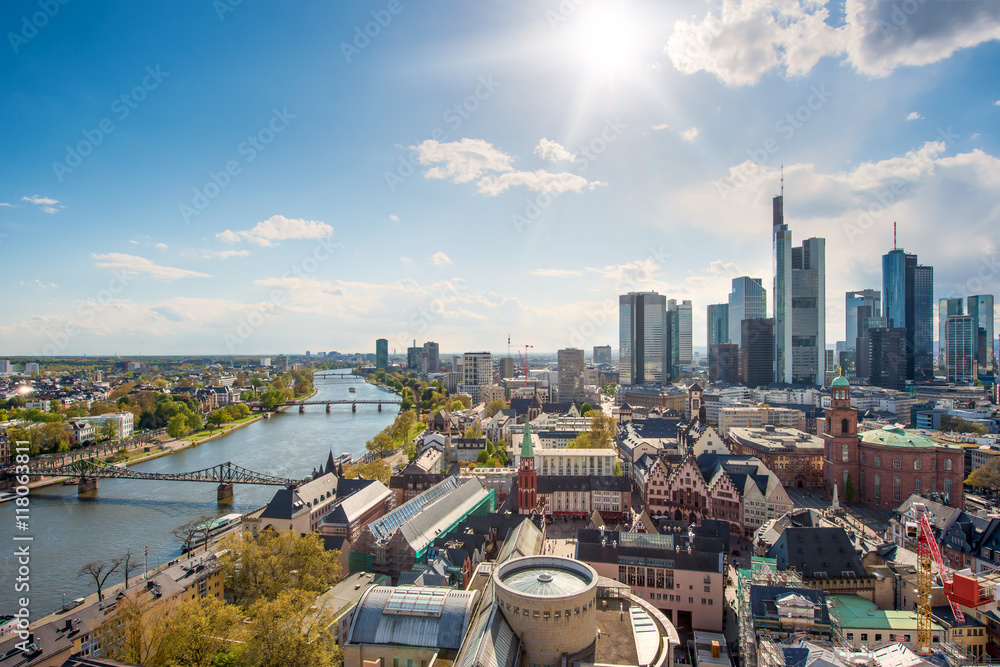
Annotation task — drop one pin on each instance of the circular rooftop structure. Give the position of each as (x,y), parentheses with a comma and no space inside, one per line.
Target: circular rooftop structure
(543,597)
(840,382)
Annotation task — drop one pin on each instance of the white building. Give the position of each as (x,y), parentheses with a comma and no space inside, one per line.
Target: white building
(124,423)
(477,370)
(600,462)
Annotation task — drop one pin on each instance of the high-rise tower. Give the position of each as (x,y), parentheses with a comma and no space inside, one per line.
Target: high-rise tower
(644,343)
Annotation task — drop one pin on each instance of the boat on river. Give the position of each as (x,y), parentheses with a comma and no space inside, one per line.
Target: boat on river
(218,528)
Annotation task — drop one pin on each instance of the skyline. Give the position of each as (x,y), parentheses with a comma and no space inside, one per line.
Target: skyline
(464,175)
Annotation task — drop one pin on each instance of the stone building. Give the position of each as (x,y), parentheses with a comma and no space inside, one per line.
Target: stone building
(794,456)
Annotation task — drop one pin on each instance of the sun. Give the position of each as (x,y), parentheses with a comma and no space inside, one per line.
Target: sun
(605,39)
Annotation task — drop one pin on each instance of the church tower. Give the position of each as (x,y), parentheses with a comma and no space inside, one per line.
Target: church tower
(841,463)
(527,477)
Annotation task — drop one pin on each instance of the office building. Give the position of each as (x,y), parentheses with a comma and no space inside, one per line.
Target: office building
(747,301)
(799,304)
(681,326)
(757,352)
(718,324)
(431,358)
(887,358)
(477,370)
(381,354)
(855,300)
(724,363)
(946,308)
(506,367)
(960,353)
(908,303)
(980,309)
(570,373)
(602,354)
(643,345)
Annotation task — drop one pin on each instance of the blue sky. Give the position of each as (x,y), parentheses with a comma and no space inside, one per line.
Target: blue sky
(252,178)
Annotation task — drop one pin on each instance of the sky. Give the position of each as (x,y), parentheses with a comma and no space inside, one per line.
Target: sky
(235,177)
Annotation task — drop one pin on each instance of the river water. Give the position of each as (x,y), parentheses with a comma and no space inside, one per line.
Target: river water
(135,514)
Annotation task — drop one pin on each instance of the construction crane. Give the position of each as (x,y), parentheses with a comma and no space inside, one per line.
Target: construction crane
(928,552)
(524,361)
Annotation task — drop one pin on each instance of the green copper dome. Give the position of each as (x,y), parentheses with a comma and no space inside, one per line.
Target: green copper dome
(840,382)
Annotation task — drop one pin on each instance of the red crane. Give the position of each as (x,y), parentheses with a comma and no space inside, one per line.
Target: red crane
(928,551)
(524,362)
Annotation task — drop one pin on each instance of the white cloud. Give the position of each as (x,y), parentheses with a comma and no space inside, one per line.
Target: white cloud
(440,259)
(997,103)
(723,268)
(539,181)
(394,218)
(553,151)
(37,283)
(557,273)
(133,242)
(690,135)
(661,126)
(278,228)
(133,264)
(224,254)
(3,203)
(472,159)
(914,116)
(463,160)
(405,260)
(46,201)
(160,246)
(749,38)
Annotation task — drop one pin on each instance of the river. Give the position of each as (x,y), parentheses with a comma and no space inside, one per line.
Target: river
(135,514)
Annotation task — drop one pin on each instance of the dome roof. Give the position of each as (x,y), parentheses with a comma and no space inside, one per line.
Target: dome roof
(840,382)
(894,435)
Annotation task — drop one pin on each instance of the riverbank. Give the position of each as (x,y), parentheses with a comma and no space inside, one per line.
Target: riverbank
(166,448)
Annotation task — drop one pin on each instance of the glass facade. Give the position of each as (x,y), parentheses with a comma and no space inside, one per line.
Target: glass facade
(782,292)
(718,324)
(747,301)
(981,311)
(643,338)
(946,308)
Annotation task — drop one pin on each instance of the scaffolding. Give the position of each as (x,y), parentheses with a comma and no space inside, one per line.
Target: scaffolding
(760,651)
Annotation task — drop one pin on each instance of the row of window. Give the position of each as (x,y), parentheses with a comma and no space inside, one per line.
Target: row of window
(897,486)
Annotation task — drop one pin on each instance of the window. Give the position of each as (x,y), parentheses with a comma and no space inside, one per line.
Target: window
(850,636)
(691,600)
(844,453)
(878,485)
(862,457)
(864,636)
(916,485)
(916,464)
(878,461)
(878,637)
(947,464)
(844,427)
(896,488)
(896,463)
(947,486)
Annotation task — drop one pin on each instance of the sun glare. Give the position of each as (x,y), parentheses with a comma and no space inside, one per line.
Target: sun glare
(606,39)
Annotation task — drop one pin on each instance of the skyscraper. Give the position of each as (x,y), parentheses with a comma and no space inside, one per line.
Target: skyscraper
(961,336)
(570,373)
(799,304)
(602,354)
(477,370)
(887,358)
(747,301)
(718,324)
(643,345)
(869,297)
(946,308)
(432,354)
(981,311)
(908,303)
(684,327)
(724,363)
(756,352)
(381,353)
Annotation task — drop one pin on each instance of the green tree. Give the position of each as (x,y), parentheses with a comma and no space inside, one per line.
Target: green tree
(495,406)
(289,631)
(194,421)
(849,490)
(198,631)
(585,409)
(217,418)
(109,429)
(474,432)
(177,426)
(618,469)
(482,458)
(377,469)
(382,444)
(261,568)
(986,476)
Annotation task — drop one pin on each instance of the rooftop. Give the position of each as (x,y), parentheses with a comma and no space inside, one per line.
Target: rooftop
(895,436)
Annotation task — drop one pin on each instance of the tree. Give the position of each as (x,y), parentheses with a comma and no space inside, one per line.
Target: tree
(133,633)
(482,458)
(586,409)
(129,565)
(186,533)
(849,490)
(99,571)
(199,631)
(217,418)
(495,406)
(288,631)
(474,432)
(602,430)
(581,441)
(177,426)
(381,444)
(109,429)
(618,469)
(377,469)
(986,476)
(261,568)
(194,422)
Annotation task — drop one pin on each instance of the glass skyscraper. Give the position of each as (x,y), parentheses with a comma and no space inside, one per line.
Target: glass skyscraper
(781,239)
(854,300)
(946,308)
(747,301)
(908,303)
(643,339)
(981,311)
(718,324)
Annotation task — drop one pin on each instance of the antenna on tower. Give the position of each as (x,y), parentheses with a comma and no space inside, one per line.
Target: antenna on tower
(894,235)
(782,180)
